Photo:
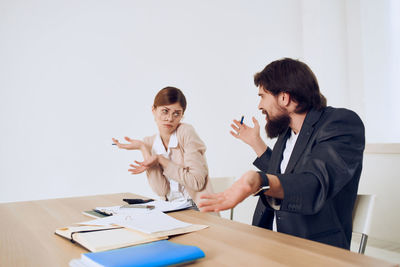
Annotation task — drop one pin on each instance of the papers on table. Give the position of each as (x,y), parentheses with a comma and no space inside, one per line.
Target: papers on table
(129,226)
(166,206)
(159,205)
(115,210)
(126,229)
(147,221)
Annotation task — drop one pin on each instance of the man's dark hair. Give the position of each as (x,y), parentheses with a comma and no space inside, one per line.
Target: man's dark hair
(295,78)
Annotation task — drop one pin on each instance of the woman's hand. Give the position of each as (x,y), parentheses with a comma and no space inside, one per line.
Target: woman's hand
(133,144)
(144,165)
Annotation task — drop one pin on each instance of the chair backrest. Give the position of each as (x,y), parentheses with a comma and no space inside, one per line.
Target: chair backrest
(220,184)
(362,213)
(362,217)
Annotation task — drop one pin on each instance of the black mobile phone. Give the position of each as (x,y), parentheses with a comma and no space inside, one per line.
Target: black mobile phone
(136,200)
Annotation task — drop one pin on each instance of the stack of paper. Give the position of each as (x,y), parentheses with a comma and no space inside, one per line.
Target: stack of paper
(160,205)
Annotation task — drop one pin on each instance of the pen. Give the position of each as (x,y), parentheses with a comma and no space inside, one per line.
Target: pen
(102,212)
(150,207)
(241,120)
(113,144)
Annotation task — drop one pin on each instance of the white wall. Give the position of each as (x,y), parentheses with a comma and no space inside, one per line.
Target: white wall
(384,183)
(380,33)
(73,74)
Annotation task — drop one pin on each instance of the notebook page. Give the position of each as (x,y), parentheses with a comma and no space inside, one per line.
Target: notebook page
(150,222)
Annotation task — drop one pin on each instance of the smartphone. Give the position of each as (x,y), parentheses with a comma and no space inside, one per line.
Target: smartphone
(136,200)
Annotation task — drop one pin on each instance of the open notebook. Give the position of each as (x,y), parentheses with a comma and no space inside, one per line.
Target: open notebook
(125,230)
(101,238)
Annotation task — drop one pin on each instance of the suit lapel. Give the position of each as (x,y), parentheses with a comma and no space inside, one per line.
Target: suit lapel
(277,154)
(302,141)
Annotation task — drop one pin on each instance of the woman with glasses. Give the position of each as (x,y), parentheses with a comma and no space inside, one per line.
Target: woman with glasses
(174,158)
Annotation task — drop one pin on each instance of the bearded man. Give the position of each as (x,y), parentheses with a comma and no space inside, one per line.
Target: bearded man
(308,182)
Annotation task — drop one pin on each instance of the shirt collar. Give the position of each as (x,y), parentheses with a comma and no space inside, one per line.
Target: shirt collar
(173,140)
(158,146)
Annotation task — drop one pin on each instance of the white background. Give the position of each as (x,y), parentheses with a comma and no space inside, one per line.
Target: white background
(74,74)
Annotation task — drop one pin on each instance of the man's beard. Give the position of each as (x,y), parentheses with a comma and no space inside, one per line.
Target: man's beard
(277,125)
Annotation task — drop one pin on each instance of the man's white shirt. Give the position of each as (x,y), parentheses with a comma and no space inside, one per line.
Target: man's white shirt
(290,143)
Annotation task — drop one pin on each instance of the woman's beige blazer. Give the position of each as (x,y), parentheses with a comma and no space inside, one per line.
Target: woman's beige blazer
(188,165)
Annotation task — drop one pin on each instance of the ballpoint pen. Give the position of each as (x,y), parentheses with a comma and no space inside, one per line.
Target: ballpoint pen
(241,120)
(140,206)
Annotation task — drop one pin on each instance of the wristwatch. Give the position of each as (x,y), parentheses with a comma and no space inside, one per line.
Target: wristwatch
(264,184)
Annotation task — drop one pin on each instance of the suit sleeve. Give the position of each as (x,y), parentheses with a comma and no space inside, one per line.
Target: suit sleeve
(333,161)
(194,171)
(262,162)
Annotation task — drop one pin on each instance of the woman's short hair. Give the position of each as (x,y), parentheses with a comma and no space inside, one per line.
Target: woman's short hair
(168,96)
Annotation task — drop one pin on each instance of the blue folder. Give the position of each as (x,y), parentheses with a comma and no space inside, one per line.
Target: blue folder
(158,253)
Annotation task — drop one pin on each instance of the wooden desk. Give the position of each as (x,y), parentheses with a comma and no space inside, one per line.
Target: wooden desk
(27,238)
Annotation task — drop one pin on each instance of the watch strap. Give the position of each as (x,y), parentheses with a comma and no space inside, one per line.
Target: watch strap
(264,184)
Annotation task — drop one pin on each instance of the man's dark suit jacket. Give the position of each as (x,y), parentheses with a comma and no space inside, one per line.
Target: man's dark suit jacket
(321,179)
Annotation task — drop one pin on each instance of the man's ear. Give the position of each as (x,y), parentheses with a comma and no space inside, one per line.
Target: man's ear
(284,99)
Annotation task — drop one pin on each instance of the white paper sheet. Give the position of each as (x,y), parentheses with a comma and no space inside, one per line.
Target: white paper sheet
(151,222)
(159,205)
(114,210)
(170,205)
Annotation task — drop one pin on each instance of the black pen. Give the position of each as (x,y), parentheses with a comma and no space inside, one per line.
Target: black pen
(150,207)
